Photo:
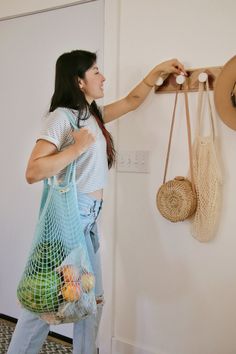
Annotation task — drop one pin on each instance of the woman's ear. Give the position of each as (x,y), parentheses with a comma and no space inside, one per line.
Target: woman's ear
(81,84)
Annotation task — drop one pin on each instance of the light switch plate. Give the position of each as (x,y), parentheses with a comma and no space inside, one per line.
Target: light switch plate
(133,161)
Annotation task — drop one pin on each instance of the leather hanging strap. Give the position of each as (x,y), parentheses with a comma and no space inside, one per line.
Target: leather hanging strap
(189,135)
(189,138)
(170,137)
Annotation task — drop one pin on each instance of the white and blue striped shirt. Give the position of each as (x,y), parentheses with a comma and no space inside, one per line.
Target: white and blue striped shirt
(91,166)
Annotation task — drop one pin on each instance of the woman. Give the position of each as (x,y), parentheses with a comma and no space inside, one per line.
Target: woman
(78,83)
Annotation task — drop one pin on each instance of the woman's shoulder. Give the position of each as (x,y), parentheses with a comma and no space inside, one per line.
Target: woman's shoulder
(57,116)
(56,127)
(60,117)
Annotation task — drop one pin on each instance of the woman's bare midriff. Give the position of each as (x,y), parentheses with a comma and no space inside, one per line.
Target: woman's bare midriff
(97,194)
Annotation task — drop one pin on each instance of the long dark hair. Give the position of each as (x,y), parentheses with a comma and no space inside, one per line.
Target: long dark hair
(67,93)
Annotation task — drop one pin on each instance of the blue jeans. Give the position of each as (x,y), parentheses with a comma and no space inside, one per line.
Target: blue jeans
(31,331)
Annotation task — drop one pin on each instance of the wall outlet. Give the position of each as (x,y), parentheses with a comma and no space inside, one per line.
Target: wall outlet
(133,161)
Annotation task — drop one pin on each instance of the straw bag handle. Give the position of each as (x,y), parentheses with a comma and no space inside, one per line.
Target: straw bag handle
(189,136)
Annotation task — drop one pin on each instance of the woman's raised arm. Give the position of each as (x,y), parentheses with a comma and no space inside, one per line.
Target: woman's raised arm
(136,97)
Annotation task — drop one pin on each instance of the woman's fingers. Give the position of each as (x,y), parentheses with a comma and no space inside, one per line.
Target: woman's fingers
(83,138)
(179,67)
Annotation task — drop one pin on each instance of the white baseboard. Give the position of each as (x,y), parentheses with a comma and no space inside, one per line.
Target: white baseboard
(119,347)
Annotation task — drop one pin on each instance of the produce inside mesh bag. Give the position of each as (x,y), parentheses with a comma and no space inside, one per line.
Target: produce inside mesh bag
(58,281)
(78,287)
(58,290)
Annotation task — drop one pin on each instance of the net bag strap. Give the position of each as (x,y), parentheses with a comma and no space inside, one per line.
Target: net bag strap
(200,108)
(70,172)
(189,135)
(71,168)
(70,118)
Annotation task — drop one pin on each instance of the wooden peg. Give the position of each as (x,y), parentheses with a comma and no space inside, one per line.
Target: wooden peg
(202,77)
(180,79)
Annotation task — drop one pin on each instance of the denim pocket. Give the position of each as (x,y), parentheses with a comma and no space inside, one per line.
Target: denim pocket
(91,232)
(85,210)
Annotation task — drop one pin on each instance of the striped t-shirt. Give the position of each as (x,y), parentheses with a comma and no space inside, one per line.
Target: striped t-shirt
(91,166)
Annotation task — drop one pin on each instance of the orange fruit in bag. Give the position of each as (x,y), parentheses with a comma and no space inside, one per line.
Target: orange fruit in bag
(70,273)
(71,292)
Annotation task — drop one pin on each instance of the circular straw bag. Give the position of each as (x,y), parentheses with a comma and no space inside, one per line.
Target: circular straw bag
(176,199)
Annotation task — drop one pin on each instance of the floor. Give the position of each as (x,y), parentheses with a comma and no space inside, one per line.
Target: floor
(51,345)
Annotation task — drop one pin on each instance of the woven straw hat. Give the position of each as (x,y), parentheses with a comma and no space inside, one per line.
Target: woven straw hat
(225,93)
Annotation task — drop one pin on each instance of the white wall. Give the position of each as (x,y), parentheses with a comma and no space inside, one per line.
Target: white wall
(108,216)
(173,294)
(15,7)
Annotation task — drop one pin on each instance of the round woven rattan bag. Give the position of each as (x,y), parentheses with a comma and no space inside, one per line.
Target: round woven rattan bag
(176,199)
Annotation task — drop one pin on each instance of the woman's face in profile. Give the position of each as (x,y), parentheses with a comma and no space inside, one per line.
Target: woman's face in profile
(92,84)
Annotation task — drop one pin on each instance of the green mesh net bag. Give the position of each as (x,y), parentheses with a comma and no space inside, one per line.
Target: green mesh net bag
(58,281)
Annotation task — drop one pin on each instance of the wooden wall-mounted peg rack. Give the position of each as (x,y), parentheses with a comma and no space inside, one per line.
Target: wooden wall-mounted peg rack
(191,82)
